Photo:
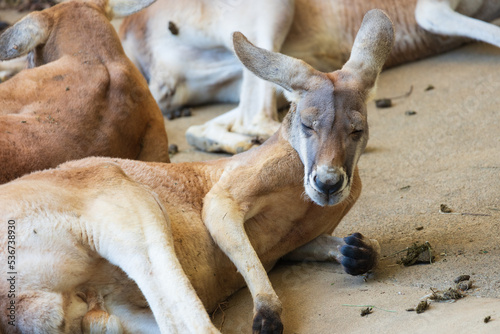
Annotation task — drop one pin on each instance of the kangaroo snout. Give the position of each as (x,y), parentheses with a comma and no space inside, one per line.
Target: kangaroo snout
(329,180)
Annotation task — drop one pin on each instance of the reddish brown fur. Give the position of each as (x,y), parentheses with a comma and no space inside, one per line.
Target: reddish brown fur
(87,100)
(411,43)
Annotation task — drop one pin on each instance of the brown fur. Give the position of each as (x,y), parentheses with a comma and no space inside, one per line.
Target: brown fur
(84,98)
(411,43)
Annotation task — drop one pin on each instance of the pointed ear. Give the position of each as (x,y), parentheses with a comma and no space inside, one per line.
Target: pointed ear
(371,48)
(25,35)
(122,8)
(289,73)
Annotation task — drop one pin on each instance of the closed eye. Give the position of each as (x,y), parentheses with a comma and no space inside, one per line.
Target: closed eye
(356,134)
(307,128)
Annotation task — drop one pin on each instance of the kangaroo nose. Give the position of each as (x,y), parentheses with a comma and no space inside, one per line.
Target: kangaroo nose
(329,187)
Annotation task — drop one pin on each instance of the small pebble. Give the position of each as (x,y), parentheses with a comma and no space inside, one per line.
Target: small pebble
(445,208)
(487,319)
(383,103)
(420,228)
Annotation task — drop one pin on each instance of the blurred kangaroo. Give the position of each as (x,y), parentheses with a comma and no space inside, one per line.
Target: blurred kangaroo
(80,96)
(184,50)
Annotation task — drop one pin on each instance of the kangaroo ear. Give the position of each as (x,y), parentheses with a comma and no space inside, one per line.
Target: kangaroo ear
(371,48)
(122,8)
(25,35)
(289,73)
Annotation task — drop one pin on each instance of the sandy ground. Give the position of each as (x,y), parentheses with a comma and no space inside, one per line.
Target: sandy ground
(447,153)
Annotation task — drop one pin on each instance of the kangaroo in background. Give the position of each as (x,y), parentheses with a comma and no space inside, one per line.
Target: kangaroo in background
(80,96)
(184,50)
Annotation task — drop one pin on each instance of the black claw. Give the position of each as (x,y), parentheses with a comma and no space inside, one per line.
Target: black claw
(177,113)
(355,252)
(355,267)
(357,235)
(267,322)
(355,239)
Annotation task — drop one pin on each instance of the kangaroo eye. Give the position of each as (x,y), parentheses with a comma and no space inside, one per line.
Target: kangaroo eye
(307,128)
(357,134)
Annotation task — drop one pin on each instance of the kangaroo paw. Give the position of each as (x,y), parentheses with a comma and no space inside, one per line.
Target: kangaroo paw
(359,254)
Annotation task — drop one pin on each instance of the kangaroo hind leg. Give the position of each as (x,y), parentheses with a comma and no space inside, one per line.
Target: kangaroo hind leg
(134,234)
(440,17)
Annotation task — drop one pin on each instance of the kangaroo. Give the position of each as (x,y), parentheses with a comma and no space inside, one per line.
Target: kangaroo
(149,247)
(185,52)
(80,97)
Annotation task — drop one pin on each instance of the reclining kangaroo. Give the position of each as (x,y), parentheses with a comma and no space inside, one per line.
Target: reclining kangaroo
(81,95)
(193,63)
(189,235)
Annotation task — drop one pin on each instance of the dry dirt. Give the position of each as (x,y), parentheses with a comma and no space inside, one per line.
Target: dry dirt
(447,153)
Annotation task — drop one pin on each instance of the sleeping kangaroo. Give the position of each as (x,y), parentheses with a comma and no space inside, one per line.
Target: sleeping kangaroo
(184,50)
(80,95)
(114,245)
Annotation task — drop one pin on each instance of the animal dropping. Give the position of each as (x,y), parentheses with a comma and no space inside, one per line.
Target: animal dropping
(366,311)
(450,294)
(461,278)
(422,306)
(417,254)
(464,285)
(383,103)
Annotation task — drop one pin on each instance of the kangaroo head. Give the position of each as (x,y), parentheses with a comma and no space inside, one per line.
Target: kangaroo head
(35,29)
(327,123)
